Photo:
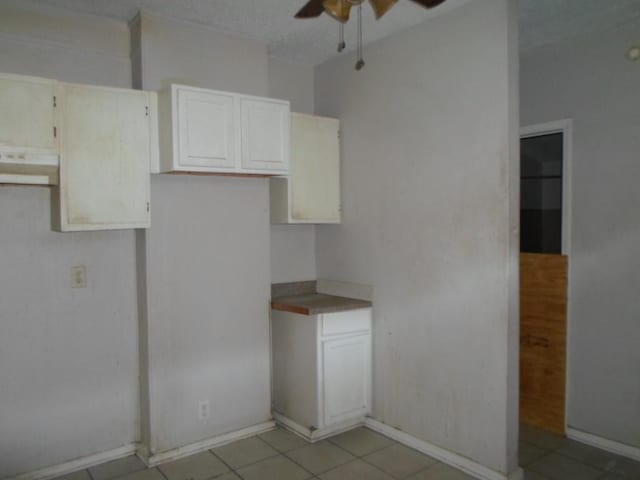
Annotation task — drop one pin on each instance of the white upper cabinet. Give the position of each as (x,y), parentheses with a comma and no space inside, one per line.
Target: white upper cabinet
(311,193)
(207,131)
(265,135)
(28,137)
(106,141)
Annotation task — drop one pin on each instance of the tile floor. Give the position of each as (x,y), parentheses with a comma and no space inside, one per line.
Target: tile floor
(362,454)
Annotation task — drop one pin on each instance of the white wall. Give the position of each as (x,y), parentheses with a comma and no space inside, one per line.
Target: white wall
(68,357)
(208,289)
(590,81)
(73,48)
(206,332)
(182,52)
(429,152)
(293,254)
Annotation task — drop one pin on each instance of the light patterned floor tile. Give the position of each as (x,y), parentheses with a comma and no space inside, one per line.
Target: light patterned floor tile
(81,475)
(200,466)
(228,476)
(283,440)
(244,452)
(541,438)
(149,474)
(117,468)
(361,441)
(627,468)
(274,468)
(591,456)
(440,471)
(529,475)
(320,457)
(528,453)
(356,470)
(399,461)
(559,467)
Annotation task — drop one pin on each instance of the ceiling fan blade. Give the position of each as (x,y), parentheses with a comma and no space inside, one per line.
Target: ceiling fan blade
(313,8)
(380,7)
(428,3)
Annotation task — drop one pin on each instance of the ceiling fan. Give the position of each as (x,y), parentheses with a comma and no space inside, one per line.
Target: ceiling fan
(341,9)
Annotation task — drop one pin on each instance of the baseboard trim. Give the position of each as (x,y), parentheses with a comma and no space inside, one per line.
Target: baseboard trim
(319,434)
(604,444)
(201,446)
(78,464)
(445,456)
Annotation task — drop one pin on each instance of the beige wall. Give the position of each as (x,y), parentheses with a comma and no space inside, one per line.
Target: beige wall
(293,254)
(429,143)
(68,357)
(206,332)
(589,81)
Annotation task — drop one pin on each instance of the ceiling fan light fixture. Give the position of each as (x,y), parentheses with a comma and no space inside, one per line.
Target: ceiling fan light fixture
(337,9)
(380,7)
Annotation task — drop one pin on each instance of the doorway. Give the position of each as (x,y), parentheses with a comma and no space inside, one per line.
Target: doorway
(545,153)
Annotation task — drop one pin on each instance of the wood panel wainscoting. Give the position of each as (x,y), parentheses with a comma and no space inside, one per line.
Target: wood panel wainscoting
(543,340)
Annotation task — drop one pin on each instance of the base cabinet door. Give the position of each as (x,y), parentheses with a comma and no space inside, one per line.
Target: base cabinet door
(346,367)
(104,163)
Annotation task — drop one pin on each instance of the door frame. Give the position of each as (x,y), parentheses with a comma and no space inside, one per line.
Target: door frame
(564,126)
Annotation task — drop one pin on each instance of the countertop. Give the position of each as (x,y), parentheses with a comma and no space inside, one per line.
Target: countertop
(316,303)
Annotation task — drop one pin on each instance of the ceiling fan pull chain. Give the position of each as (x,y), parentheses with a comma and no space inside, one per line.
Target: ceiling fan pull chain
(360,62)
(341,43)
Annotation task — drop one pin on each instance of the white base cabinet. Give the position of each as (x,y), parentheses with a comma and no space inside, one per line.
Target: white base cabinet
(321,371)
(207,131)
(311,192)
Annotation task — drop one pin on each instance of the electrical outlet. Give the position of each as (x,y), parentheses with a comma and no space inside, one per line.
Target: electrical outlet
(78,277)
(203,410)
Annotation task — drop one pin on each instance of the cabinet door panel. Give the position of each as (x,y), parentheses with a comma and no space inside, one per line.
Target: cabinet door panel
(265,135)
(104,164)
(346,378)
(315,169)
(206,134)
(27,115)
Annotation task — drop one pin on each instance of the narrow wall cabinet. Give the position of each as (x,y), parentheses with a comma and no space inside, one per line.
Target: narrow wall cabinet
(311,193)
(207,131)
(321,370)
(28,133)
(106,141)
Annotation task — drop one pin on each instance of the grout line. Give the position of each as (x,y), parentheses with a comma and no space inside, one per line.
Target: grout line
(223,462)
(161,472)
(314,475)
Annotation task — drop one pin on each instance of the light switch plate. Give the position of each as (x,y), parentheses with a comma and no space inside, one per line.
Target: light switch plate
(78,277)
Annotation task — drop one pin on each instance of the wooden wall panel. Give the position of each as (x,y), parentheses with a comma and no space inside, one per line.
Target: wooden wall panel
(543,340)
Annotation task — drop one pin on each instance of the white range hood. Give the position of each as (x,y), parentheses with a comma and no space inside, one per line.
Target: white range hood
(28,168)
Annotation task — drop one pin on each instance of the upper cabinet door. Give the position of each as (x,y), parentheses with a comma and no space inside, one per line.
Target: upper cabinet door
(27,115)
(315,169)
(206,133)
(105,146)
(265,134)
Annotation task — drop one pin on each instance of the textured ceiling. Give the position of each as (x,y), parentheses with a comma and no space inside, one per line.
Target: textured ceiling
(313,41)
